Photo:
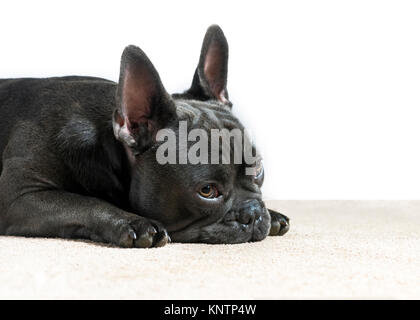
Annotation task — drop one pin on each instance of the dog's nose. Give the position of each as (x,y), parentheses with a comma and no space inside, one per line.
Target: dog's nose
(250,212)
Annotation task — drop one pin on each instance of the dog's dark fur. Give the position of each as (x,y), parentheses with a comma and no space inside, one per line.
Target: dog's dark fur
(78,159)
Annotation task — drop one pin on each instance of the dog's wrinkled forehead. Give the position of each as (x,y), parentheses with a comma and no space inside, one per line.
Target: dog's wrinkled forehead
(206,115)
(212,115)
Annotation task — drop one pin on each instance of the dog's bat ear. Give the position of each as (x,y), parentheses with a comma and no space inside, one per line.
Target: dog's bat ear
(143,105)
(210,78)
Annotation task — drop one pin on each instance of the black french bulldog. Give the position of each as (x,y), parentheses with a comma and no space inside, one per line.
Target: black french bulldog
(79,159)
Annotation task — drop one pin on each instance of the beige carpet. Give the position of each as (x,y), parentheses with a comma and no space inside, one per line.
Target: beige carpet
(335,249)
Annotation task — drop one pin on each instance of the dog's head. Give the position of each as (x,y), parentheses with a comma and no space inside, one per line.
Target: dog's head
(194,168)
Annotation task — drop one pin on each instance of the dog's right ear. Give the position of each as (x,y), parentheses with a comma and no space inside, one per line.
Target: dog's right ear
(143,105)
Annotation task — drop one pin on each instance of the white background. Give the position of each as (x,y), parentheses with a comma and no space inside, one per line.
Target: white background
(331,89)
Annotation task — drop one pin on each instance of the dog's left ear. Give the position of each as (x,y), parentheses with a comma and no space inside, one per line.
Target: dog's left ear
(210,78)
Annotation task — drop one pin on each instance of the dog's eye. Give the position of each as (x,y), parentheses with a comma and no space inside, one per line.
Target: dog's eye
(209,192)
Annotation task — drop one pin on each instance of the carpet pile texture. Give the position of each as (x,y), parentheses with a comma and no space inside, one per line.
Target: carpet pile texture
(334,250)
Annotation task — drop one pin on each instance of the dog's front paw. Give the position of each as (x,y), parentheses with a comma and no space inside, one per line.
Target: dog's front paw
(279,223)
(141,232)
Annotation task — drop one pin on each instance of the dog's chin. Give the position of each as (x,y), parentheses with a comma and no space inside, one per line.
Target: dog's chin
(225,232)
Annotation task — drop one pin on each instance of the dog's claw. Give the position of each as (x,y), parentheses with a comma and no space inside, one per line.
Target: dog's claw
(152,231)
(132,235)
